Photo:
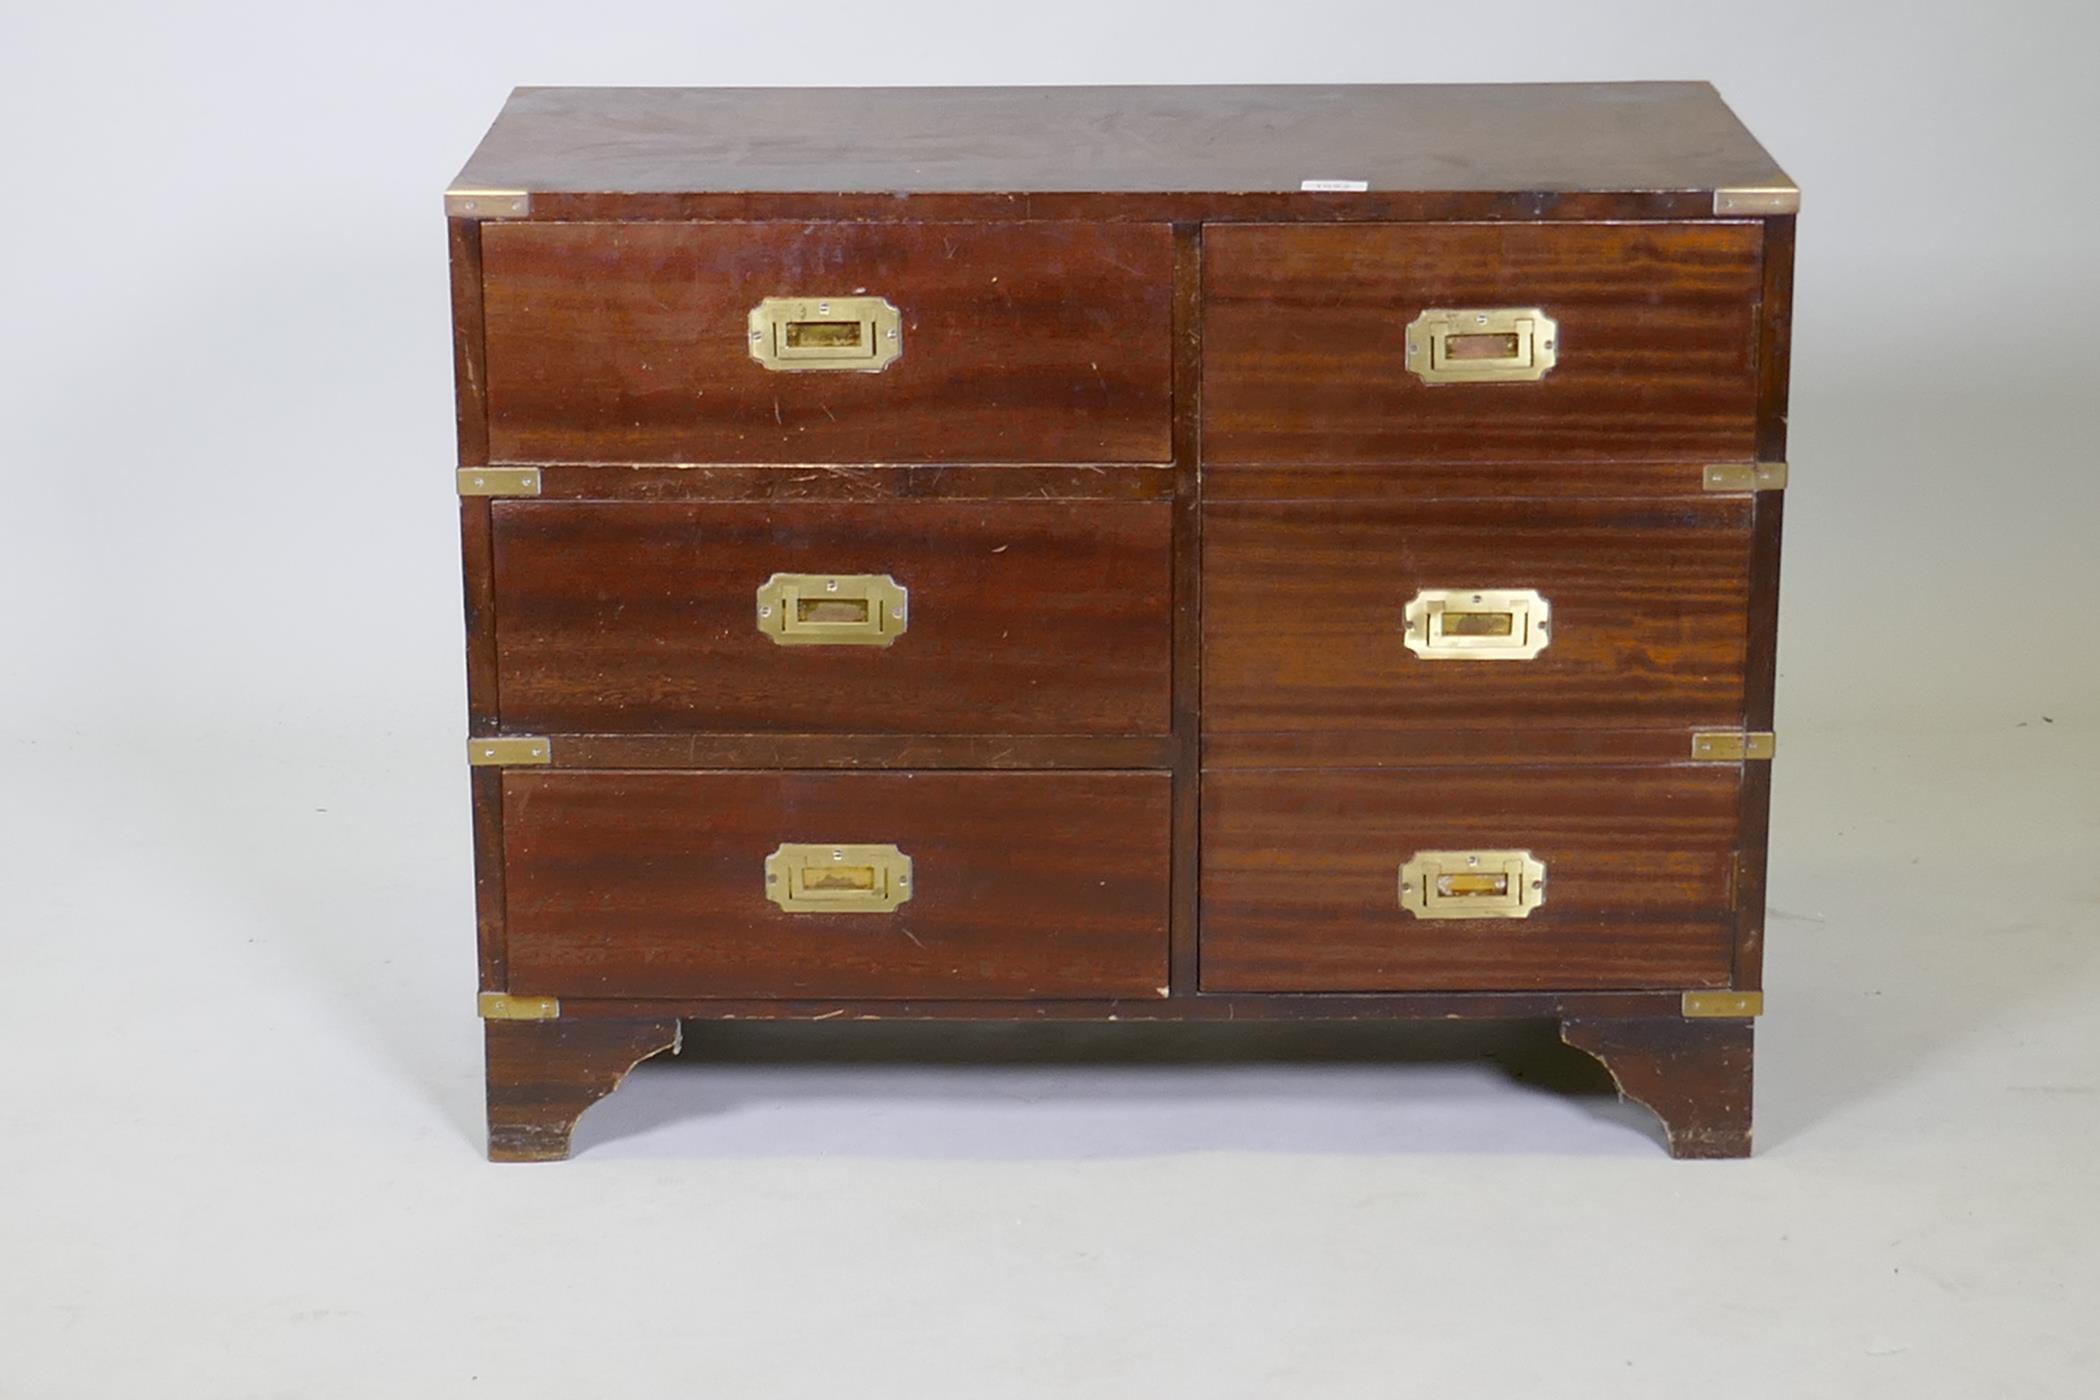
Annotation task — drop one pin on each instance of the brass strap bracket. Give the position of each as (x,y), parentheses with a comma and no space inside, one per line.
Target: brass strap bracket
(1746,476)
(509,753)
(1716,1005)
(499,481)
(502,1006)
(461,203)
(1758,199)
(1733,745)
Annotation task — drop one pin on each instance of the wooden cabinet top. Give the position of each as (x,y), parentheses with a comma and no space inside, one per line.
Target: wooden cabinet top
(1550,150)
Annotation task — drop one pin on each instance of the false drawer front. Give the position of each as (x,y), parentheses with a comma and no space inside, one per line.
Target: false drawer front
(1475,879)
(1448,615)
(924,885)
(915,617)
(1391,343)
(841,342)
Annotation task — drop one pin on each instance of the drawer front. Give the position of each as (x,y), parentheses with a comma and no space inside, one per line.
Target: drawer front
(633,342)
(622,884)
(1302,872)
(1592,615)
(1022,617)
(1306,331)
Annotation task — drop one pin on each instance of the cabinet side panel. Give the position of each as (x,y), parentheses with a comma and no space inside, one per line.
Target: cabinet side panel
(1774,366)
(471,415)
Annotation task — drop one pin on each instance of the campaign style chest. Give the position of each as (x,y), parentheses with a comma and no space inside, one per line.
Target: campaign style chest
(1121,553)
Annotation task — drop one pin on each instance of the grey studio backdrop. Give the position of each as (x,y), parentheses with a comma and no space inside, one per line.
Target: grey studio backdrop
(242,1089)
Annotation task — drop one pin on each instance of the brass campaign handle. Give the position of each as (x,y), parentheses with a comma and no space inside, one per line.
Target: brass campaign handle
(828,879)
(1472,884)
(1485,624)
(1482,345)
(805,333)
(846,610)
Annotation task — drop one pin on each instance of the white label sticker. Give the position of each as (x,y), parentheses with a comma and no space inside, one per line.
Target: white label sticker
(1339,186)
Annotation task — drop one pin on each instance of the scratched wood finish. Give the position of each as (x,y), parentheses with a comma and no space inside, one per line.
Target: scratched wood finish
(1303,611)
(1524,151)
(542,1075)
(1775,366)
(1035,617)
(1211,1006)
(1696,1076)
(1241,371)
(875,483)
(972,751)
(1301,878)
(652,884)
(1304,356)
(1021,342)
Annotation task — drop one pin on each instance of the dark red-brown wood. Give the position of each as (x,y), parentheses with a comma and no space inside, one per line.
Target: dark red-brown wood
(1433,151)
(834,481)
(1301,878)
(1775,360)
(542,1075)
(1021,342)
(1303,616)
(987,751)
(1240,377)
(1209,1006)
(652,884)
(1188,599)
(1695,1075)
(1305,343)
(1037,617)
(1434,481)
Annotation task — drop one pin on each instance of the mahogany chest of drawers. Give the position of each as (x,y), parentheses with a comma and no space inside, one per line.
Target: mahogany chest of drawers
(1141,553)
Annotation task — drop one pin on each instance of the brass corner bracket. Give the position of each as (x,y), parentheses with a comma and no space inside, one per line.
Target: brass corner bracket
(1715,1005)
(1746,476)
(509,753)
(487,204)
(502,1006)
(1758,199)
(1733,745)
(499,481)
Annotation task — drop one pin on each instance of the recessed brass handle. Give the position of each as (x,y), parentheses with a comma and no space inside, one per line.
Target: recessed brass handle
(1472,884)
(1500,345)
(825,879)
(1489,624)
(840,610)
(850,333)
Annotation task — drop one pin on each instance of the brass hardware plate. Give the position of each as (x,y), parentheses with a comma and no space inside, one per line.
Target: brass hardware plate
(502,1006)
(840,610)
(1733,745)
(487,204)
(1758,199)
(499,481)
(509,753)
(1746,476)
(850,333)
(1459,624)
(827,879)
(1472,884)
(1482,345)
(1707,1004)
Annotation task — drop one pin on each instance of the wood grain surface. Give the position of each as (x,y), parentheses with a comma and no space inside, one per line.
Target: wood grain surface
(1025,617)
(1305,343)
(1024,146)
(542,1075)
(1696,1076)
(1303,616)
(652,884)
(1022,342)
(1301,878)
